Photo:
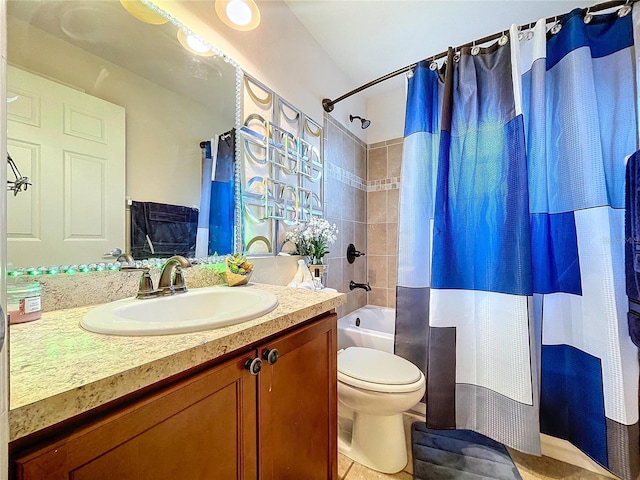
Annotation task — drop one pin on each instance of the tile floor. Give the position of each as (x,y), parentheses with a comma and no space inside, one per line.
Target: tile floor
(530,467)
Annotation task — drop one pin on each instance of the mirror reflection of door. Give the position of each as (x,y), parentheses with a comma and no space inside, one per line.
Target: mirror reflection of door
(71,145)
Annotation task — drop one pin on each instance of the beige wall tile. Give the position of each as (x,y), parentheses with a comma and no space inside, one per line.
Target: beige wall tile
(377,271)
(377,145)
(394,160)
(392,238)
(360,163)
(334,273)
(378,296)
(394,141)
(360,237)
(361,206)
(377,238)
(391,298)
(377,207)
(392,205)
(349,203)
(377,164)
(348,152)
(347,236)
(361,298)
(392,271)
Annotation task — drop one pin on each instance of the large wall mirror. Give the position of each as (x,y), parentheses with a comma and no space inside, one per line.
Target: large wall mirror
(107,112)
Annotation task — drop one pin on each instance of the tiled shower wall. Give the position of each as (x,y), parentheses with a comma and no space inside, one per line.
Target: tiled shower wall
(383,182)
(345,198)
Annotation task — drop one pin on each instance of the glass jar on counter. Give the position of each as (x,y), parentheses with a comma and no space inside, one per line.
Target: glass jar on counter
(24,299)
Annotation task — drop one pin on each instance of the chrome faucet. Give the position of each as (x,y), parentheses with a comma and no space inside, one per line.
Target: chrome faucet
(364,286)
(172,277)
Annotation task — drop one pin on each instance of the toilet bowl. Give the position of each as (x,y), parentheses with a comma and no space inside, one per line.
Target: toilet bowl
(374,388)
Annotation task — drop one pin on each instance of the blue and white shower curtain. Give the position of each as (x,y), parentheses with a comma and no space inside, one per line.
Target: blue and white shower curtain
(511,287)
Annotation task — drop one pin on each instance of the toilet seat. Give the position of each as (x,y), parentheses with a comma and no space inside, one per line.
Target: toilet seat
(378,371)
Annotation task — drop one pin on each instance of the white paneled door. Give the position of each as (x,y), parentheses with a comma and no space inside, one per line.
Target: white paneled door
(71,145)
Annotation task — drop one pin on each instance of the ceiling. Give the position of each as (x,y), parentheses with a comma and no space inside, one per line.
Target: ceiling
(370,38)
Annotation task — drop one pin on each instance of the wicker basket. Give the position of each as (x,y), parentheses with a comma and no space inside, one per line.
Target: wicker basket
(235,279)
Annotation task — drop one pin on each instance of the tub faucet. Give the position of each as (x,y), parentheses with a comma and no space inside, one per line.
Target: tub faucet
(364,286)
(172,277)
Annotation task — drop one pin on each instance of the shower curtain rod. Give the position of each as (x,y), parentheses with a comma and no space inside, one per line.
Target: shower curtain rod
(329,104)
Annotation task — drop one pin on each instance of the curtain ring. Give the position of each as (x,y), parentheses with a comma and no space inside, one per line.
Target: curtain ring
(475,50)
(456,57)
(624,10)
(433,66)
(410,73)
(588,16)
(556,27)
(520,35)
(503,39)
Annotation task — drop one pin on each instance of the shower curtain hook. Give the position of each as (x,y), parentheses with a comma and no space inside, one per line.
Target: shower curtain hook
(475,50)
(556,27)
(456,57)
(433,65)
(503,39)
(624,10)
(588,16)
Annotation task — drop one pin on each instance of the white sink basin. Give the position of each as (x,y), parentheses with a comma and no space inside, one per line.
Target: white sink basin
(193,311)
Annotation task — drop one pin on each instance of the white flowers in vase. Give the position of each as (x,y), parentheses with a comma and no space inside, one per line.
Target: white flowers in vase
(313,238)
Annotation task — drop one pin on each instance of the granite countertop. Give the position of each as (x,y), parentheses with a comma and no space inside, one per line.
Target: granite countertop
(58,369)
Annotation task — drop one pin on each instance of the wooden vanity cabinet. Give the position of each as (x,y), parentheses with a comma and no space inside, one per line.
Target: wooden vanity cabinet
(223,423)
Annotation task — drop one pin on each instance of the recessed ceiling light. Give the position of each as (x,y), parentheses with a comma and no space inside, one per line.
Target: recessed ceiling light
(142,12)
(194,44)
(240,15)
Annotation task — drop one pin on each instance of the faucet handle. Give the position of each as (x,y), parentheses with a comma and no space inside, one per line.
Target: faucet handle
(145,287)
(178,282)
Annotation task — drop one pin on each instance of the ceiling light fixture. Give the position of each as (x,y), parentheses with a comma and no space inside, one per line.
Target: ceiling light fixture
(365,122)
(194,44)
(143,12)
(240,15)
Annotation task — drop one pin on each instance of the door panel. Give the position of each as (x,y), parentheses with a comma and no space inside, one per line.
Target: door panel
(71,145)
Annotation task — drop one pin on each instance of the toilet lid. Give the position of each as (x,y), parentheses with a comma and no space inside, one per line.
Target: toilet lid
(376,366)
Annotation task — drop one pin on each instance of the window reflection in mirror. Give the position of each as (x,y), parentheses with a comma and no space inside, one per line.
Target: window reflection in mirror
(108,112)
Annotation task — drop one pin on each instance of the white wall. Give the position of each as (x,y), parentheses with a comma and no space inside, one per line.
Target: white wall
(280,53)
(386,112)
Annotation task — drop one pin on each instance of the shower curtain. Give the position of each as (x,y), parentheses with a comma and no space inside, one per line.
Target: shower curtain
(511,288)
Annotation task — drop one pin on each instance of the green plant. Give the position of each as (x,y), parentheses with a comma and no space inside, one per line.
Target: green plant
(239,264)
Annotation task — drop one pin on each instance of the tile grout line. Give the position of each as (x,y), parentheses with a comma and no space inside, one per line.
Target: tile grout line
(348,470)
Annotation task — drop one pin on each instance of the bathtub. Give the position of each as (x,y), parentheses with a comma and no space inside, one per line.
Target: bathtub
(369,326)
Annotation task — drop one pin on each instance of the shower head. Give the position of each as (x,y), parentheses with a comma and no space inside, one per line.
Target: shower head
(365,122)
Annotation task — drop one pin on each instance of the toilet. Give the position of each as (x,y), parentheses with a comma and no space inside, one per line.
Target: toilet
(374,389)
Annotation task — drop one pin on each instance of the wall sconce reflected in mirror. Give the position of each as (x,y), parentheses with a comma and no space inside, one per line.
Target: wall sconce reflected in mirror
(194,44)
(365,122)
(143,12)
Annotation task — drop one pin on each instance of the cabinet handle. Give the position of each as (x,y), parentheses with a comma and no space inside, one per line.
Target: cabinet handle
(271,356)
(254,365)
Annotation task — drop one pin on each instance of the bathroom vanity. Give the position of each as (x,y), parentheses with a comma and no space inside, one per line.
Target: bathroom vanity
(189,406)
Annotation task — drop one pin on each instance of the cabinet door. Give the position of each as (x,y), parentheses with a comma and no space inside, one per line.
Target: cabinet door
(297,415)
(201,428)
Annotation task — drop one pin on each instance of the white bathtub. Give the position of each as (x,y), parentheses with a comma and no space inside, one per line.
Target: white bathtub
(368,326)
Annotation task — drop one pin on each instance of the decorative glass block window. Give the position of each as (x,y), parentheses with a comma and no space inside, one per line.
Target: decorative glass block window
(282,169)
